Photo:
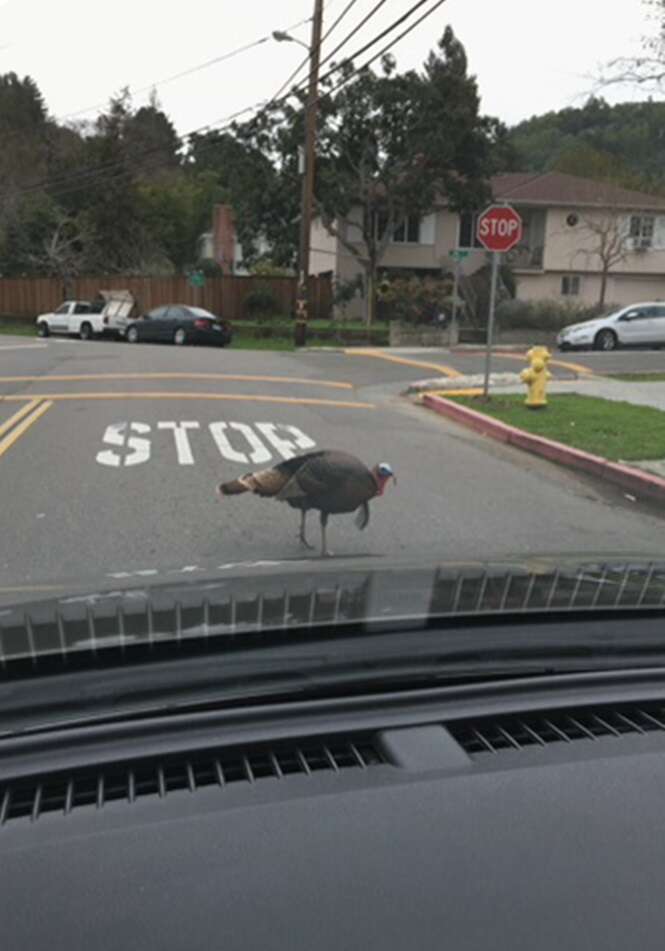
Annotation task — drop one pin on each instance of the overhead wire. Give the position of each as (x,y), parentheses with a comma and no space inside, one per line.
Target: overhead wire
(307,59)
(231,54)
(90,176)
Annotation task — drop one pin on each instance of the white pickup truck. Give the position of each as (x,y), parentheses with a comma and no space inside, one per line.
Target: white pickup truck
(107,314)
(72,317)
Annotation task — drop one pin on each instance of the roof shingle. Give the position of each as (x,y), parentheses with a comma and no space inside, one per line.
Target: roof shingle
(558,188)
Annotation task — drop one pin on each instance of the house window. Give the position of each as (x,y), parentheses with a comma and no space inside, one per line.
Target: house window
(468,221)
(409,231)
(570,285)
(641,230)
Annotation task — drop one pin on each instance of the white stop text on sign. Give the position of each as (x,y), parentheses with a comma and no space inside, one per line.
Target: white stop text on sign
(498,227)
(131,443)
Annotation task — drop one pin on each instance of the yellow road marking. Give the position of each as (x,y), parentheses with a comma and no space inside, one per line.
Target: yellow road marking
(23,427)
(379,355)
(31,589)
(564,364)
(236,377)
(17,417)
(234,397)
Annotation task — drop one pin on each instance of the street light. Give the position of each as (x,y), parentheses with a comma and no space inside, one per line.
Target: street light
(282,37)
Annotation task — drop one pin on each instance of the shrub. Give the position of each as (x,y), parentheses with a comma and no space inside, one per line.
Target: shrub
(345,291)
(548,315)
(261,303)
(414,300)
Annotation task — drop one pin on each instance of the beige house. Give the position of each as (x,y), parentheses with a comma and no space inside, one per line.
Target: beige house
(571,225)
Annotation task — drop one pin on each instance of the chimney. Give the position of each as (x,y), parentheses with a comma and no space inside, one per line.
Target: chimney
(224,237)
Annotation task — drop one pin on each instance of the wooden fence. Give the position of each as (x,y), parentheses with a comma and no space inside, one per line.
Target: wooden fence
(225,296)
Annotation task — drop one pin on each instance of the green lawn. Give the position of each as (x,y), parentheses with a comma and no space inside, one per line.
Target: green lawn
(604,427)
(24,329)
(259,343)
(638,377)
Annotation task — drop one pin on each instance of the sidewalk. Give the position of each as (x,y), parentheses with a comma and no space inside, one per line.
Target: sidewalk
(641,394)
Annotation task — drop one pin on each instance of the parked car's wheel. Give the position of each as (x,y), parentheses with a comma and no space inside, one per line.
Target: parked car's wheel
(132,335)
(43,329)
(180,337)
(605,340)
(85,331)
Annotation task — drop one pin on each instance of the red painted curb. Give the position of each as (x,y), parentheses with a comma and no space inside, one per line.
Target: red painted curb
(641,483)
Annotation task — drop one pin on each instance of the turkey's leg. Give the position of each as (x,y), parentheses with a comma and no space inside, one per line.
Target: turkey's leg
(302,536)
(324,543)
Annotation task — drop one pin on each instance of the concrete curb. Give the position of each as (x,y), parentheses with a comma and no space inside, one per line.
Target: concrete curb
(633,480)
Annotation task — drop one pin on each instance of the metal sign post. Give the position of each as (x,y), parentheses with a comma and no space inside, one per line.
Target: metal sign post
(458,255)
(496,258)
(499,230)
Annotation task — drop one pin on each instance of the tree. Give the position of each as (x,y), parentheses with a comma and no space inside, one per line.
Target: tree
(392,146)
(647,69)
(259,185)
(621,143)
(608,242)
(22,125)
(176,213)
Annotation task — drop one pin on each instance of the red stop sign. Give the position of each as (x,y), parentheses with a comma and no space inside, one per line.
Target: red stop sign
(499,228)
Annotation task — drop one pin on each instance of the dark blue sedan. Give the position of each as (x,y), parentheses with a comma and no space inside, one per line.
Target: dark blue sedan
(179,324)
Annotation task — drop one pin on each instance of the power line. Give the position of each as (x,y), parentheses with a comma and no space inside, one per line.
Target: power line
(398,22)
(90,176)
(306,60)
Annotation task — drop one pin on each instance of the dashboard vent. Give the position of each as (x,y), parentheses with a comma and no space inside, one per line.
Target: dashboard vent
(64,792)
(516,732)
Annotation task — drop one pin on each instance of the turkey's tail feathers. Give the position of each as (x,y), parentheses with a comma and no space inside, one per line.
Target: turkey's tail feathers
(362,517)
(267,483)
(237,487)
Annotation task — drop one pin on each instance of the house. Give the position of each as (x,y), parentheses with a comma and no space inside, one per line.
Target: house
(221,243)
(571,226)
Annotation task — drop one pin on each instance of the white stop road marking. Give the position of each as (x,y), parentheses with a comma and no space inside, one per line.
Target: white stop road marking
(236,442)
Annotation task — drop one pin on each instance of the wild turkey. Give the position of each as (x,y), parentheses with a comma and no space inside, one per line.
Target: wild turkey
(329,481)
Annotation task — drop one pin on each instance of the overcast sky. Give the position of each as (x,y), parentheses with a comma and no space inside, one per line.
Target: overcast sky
(529,55)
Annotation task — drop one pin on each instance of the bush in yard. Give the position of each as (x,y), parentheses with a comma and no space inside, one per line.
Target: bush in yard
(345,291)
(547,315)
(261,304)
(414,300)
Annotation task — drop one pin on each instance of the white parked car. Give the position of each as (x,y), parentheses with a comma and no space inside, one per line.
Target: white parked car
(74,317)
(636,325)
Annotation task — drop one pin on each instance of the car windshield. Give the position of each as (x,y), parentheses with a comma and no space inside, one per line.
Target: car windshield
(381,248)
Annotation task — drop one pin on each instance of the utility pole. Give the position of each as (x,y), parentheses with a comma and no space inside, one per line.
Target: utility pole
(302,303)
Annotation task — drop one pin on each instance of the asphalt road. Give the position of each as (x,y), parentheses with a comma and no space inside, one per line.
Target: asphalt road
(110,455)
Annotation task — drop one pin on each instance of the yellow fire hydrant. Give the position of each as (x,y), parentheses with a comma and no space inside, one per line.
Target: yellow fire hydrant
(536,377)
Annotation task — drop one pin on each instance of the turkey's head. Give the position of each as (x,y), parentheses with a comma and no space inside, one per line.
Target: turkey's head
(383,472)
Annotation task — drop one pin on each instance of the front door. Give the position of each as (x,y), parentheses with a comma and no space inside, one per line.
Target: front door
(60,320)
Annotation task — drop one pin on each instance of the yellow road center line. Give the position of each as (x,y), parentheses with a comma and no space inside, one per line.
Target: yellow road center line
(23,427)
(17,417)
(378,355)
(236,377)
(234,397)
